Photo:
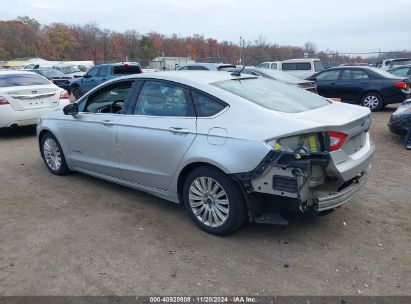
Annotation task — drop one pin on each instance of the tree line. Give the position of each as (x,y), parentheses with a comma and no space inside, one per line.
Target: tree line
(26,37)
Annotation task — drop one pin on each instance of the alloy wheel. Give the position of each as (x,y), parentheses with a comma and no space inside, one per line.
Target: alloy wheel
(209,201)
(52,154)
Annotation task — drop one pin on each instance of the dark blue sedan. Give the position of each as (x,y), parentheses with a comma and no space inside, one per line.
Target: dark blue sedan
(367,86)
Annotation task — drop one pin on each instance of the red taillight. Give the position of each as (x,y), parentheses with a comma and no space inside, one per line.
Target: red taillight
(401,85)
(337,139)
(64,95)
(3,101)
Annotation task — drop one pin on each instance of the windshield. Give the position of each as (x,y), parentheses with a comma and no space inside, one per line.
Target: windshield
(70,69)
(17,80)
(272,95)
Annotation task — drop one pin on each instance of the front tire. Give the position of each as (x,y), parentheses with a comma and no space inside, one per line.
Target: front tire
(372,101)
(214,201)
(53,155)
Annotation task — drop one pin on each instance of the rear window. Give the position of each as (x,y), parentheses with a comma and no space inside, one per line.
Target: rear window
(126,69)
(296,66)
(196,68)
(18,80)
(383,73)
(273,95)
(226,67)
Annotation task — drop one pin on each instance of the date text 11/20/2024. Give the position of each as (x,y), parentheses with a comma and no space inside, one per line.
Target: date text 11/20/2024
(203,299)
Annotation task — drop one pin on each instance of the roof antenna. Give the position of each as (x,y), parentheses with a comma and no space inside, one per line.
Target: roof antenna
(237,73)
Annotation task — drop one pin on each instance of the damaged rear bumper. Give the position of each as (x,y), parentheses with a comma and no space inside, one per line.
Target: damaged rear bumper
(325,200)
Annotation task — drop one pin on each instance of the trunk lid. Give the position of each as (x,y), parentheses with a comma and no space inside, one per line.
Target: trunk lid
(34,97)
(348,119)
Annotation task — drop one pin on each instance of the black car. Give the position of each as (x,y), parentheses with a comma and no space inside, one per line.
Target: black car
(367,86)
(400,122)
(58,78)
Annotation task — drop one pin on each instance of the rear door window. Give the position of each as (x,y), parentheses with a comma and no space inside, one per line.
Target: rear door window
(159,98)
(328,75)
(17,80)
(354,75)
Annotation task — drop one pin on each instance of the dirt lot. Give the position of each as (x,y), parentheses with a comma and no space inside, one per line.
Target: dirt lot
(77,235)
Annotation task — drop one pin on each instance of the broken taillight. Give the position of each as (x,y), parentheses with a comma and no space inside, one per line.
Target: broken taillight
(337,139)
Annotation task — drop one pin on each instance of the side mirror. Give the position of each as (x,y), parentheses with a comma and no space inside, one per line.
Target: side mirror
(71,109)
(86,76)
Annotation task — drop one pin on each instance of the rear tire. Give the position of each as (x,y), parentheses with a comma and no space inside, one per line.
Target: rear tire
(53,155)
(214,201)
(77,92)
(372,101)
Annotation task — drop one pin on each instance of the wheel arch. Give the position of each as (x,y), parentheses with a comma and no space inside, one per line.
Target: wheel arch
(182,175)
(371,91)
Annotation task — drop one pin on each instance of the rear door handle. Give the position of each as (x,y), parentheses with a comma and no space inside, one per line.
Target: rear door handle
(176,131)
(107,123)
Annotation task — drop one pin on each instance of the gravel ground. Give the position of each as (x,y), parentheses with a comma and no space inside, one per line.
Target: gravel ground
(77,235)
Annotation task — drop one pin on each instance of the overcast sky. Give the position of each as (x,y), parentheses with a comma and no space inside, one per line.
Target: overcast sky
(343,25)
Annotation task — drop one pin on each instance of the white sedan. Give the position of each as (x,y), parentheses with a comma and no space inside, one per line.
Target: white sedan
(26,96)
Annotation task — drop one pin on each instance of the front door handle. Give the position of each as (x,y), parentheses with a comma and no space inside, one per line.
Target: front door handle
(176,131)
(107,123)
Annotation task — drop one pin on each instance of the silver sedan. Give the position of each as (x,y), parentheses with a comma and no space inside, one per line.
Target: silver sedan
(226,146)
